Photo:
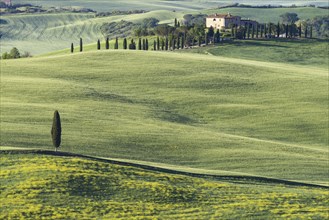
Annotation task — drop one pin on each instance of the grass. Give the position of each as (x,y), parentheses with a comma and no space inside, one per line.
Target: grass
(40,186)
(304,52)
(272,14)
(190,110)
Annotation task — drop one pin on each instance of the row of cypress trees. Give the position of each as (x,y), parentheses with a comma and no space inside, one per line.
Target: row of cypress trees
(143,44)
(263,30)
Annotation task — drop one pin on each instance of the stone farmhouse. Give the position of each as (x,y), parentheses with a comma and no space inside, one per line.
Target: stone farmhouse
(223,21)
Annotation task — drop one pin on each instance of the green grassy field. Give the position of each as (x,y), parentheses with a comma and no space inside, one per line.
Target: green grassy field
(304,52)
(272,14)
(35,186)
(207,112)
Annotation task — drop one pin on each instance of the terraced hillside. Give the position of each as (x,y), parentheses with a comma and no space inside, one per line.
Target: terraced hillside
(164,4)
(216,114)
(48,32)
(36,186)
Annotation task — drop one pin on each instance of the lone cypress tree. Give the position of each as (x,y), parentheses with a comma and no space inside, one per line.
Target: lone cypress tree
(107,44)
(98,44)
(72,48)
(81,45)
(125,44)
(175,22)
(56,130)
(116,44)
(139,44)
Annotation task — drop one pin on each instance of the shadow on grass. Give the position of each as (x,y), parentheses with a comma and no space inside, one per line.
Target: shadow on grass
(228,178)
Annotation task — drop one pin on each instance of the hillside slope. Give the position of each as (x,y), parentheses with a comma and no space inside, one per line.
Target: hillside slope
(41,186)
(206,112)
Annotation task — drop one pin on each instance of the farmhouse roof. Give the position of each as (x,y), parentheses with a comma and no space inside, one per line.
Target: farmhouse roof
(228,15)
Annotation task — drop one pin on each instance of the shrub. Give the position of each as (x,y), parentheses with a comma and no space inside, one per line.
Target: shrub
(14,53)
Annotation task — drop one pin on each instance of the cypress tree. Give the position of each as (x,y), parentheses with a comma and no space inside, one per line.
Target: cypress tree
(248,31)
(311,31)
(244,32)
(72,48)
(139,44)
(270,28)
(306,31)
(146,44)
(290,31)
(261,31)
(132,45)
(235,32)
(154,45)
(183,42)
(218,36)
(175,22)
(253,32)
(98,45)
(158,43)
(81,47)
(173,44)
(167,43)
(287,28)
(265,30)
(56,130)
(178,24)
(170,43)
(116,44)
(300,30)
(256,30)
(107,44)
(162,44)
(125,43)
(278,30)
(178,42)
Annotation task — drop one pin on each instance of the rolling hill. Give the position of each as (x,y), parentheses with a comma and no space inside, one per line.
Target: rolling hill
(40,185)
(43,33)
(212,113)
